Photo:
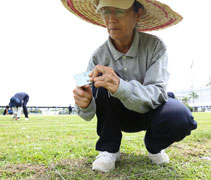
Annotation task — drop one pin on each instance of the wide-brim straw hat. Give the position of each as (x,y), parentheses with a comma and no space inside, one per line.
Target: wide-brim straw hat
(156,14)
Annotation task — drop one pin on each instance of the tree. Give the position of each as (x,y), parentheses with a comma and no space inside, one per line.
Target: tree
(193,96)
(185,100)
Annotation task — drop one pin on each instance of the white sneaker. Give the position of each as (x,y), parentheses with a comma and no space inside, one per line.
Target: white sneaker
(159,158)
(26,119)
(105,161)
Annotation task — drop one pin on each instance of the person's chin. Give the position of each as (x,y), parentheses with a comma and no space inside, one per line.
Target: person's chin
(115,35)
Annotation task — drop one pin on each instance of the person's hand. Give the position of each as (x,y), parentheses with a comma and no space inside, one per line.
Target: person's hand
(108,80)
(82,96)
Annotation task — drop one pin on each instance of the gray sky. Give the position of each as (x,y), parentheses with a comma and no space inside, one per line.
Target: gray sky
(42,45)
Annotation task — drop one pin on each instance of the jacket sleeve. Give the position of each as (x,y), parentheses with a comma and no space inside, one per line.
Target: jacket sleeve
(151,93)
(87,113)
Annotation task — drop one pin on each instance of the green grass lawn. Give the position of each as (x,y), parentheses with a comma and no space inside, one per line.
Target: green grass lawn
(63,147)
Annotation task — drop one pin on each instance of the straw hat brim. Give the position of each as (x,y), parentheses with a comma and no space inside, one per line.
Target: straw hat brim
(156,15)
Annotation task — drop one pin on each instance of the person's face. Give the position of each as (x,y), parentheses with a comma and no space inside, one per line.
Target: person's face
(120,23)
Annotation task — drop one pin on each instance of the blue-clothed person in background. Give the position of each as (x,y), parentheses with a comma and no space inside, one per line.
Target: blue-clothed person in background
(17,102)
(130,77)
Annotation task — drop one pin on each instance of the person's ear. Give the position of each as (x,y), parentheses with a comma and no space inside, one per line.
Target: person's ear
(139,14)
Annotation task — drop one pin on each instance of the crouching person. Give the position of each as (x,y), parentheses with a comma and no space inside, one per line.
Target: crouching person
(128,94)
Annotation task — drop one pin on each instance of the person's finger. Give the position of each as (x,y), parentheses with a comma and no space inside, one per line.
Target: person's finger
(100,78)
(91,73)
(86,87)
(112,78)
(98,69)
(82,92)
(102,84)
(81,99)
(111,84)
(82,103)
(104,77)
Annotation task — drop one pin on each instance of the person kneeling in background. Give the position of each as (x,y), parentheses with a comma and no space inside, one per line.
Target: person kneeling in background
(18,101)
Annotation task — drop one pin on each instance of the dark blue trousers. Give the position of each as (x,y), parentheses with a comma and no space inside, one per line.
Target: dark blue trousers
(169,123)
(25,101)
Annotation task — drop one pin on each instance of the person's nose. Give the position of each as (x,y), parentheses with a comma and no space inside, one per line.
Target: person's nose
(112,17)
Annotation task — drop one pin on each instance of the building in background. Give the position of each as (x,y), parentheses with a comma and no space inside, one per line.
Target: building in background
(197,98)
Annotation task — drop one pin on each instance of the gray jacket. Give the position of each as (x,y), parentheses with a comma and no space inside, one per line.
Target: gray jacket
(142,70)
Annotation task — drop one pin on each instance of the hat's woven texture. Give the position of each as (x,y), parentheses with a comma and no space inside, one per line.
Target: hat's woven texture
(156,15)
